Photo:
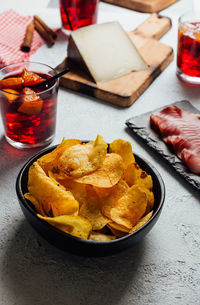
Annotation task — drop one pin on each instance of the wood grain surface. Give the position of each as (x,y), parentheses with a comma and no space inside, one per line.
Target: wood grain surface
(145,6)
(124,90)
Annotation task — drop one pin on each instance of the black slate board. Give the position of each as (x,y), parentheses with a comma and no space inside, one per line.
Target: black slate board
(140,125)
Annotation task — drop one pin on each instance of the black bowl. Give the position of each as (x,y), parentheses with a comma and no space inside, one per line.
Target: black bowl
(77,245)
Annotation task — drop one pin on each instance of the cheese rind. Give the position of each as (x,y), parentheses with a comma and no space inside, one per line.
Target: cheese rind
(105,51)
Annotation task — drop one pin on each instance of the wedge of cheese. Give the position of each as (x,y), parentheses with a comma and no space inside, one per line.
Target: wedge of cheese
(105,51)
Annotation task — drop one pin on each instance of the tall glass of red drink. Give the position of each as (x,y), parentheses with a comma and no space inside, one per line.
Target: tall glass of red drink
(78,13)
(188,53)
(28,114)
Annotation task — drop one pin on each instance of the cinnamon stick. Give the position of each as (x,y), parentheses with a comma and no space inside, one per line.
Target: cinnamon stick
(26,44)
(45,26)
(45,35)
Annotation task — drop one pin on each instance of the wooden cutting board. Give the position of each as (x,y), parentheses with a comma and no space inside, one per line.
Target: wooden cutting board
(125,90)
(145,6)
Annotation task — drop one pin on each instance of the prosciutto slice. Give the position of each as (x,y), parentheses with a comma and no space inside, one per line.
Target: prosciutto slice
(181,129)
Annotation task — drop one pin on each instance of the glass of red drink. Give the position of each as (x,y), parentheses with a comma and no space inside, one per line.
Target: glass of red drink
(78,13)
(28,113)
(188,53)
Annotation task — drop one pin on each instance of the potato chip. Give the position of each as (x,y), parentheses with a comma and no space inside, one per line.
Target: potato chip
(130,174)
(36,203)
(142,222)
(63,206)
(116,232)
(130,208)
(143,178)
(107,175)
(51,196)
(83,190)
(77,189)
(124,149)
(135,175)
(91,211)
(118,227)
(74,225)
(82,159)
(145,182)
(109,198)
(101,237)
(150,200)
(48,161)
(51,176)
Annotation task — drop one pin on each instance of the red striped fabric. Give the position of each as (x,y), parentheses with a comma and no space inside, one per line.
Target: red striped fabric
(12,31)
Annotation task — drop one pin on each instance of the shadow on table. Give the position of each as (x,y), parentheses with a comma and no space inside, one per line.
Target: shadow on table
(189,91)
(37,273)
(88,93)
(11,157)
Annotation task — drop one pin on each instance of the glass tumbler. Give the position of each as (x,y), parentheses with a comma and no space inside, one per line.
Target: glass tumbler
(29,116)
(78,13)
(188,52)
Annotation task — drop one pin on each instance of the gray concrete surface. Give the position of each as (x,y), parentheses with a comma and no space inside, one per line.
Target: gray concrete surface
(164,268)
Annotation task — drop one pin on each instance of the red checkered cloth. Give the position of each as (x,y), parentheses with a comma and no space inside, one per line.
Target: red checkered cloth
(12,32)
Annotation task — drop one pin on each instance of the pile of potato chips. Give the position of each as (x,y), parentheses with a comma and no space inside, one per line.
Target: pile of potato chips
(90,190)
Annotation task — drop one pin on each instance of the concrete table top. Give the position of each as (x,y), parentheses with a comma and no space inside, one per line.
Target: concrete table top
(164,268)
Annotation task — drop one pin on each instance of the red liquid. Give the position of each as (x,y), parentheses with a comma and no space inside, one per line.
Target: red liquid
(30,129)
(78,13)
(188,57)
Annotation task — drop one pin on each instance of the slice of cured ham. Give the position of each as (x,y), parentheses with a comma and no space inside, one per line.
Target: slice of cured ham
(181,129)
